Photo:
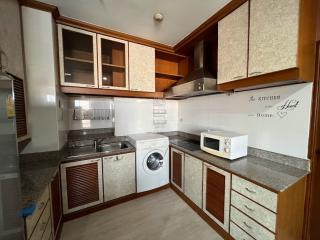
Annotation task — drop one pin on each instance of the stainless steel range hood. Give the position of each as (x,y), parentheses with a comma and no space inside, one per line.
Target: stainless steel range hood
(200,81)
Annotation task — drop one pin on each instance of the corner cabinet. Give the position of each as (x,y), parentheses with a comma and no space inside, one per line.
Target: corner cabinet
(119,176)
(81,184)
(216,195)
(77,57)
(141,68)
(177,168)
(112,63)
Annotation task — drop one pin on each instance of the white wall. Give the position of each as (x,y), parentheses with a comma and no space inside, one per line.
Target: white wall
(255,113)
(135,115)
(41,76)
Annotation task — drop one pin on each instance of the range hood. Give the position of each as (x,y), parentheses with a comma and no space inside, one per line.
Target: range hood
(200,81)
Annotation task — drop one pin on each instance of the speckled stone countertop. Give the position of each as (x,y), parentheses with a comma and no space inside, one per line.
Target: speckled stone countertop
(272,175)
(38,169)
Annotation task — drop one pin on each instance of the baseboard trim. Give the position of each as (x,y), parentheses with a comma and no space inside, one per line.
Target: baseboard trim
(202,214)
(87,211)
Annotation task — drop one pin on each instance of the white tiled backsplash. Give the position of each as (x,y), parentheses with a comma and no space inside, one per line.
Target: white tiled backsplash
(137,116)
(276,119)
(86,112)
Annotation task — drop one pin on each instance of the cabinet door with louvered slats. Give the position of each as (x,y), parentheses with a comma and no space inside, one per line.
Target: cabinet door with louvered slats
(81,184)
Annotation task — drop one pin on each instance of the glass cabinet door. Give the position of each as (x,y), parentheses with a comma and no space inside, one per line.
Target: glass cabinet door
(78,57)
(112,63)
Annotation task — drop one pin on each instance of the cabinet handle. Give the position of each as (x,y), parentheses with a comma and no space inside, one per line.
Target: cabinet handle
(254,73)
(247,225)
(249,208)
(135,89)
(236,77)
(41,205)
(118,158)
(43,226)
(250,190)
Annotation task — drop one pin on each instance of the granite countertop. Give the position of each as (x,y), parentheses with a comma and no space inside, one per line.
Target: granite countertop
(272,175)
(38,169)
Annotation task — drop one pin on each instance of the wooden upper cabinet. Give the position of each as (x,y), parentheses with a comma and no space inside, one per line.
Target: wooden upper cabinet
(112,63)
(78,57)
(141,68)
(233,45)
(273,37)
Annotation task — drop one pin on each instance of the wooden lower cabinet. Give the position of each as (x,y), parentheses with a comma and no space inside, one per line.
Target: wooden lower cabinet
(177,168)
(119,176)
(193,179)
(216,195)
(266,215)
(81,184)
(37,224)
(55,188)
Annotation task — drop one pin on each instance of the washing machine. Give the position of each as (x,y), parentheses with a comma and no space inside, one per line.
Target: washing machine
(152,160)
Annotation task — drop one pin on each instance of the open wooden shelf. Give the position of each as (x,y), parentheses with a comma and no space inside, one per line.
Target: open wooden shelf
(113,65)
(110,92)
(162,84)
(169,75)
(169,68)
(78,60)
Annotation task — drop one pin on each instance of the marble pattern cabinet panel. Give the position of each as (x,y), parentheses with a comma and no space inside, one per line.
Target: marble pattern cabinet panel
(233,45)
(119,176)
(193,179)
(141,68)
(273,37)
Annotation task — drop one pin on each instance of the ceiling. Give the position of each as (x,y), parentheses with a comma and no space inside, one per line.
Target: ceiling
(135,17)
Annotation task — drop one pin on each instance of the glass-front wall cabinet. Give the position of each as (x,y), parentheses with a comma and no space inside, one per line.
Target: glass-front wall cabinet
(78,57)
(112,63)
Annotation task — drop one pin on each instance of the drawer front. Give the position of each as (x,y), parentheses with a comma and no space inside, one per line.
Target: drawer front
(238,234)
(32,220)
(256,193)
(250,226)
(254,210)
(41,225)
(48,232)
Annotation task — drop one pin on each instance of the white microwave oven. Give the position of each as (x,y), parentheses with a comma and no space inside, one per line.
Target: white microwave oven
(228,145)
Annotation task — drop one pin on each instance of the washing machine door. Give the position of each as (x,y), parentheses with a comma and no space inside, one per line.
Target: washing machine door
(153,161)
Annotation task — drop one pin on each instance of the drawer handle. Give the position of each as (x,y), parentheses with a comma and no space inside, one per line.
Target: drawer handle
(43,226)
(117,158)
(247,225)
(236,77)
(254,73)
(41,205)
(250,190)
(249,208)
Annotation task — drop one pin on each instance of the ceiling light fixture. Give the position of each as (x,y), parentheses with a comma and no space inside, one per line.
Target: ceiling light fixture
(158,17)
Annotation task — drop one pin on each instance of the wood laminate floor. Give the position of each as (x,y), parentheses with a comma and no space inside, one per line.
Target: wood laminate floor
(162,215)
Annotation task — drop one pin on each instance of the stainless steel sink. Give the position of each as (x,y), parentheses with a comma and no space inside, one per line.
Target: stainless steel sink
(110,147)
